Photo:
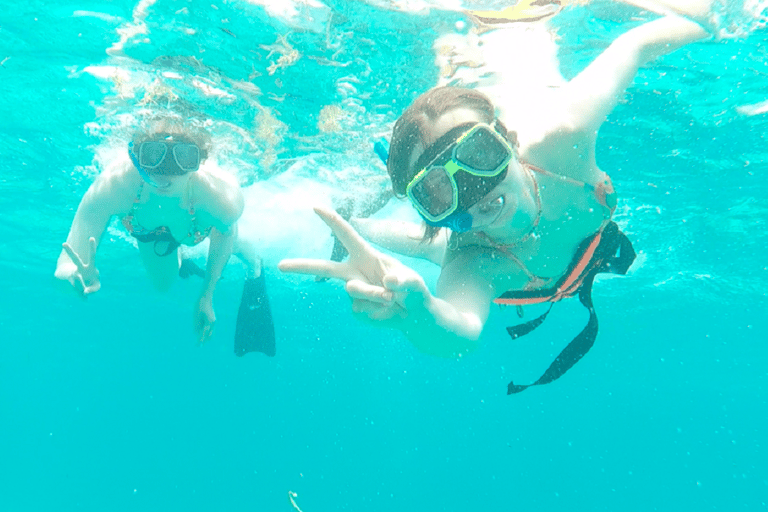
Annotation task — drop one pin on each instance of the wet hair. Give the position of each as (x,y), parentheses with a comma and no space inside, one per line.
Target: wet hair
(412,127)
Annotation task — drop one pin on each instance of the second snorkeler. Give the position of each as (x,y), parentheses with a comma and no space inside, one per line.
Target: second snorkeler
(170,196)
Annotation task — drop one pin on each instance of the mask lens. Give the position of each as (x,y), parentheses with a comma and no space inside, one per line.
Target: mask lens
(434,192)
(473,188)
(152,154)
(482,151)
(187,156)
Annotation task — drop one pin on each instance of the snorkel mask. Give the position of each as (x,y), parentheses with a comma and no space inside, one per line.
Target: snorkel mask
(151,158)
(457,171)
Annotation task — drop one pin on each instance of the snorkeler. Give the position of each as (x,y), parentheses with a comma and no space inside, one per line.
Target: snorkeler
(170,196)
(515,208)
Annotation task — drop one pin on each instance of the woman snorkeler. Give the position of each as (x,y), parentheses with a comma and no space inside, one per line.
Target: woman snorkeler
(516,209)
(169,196)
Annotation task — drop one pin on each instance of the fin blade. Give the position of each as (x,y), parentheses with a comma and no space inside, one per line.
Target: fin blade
(255,330)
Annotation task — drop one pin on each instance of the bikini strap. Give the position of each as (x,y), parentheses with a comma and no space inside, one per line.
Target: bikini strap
(128,219)
(604,192)
(537,198)
(534,281)
(194,230)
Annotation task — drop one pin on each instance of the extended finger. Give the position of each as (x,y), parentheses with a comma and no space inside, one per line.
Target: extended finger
(358,289)
(79,285)
(92,250)
(202,328)
(320,268)
(73,256)
(207,332)
(343,230)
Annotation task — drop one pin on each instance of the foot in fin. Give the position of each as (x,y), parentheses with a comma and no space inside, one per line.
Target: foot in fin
(189,268)
(255,331)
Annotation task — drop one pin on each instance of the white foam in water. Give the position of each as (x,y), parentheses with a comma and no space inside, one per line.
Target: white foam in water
(279,219)
(311,15)
(754,109)
(98,15)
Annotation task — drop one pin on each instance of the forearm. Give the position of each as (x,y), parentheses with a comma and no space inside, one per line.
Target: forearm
(647,42)
(594,92)
(218,255)
(438,328)
(692,9)
(660,37)
(402,237)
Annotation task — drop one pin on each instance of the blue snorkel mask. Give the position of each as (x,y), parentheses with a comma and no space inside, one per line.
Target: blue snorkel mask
(153,154)
(143,172)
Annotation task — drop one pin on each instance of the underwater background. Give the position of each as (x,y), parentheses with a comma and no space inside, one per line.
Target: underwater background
(108,404)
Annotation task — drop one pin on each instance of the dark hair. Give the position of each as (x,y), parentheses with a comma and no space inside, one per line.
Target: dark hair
(413,125)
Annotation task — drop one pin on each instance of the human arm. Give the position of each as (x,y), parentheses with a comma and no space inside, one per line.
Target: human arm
(567,145)
(222,199)
(219,251)
(594,92)
(697,10)
(403,237)
(108,195)
(386,291)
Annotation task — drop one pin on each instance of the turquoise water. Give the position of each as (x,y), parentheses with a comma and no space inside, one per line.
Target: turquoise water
(107,404)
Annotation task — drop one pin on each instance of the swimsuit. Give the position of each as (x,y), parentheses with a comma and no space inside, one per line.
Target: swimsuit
(162,233)
(596,254)
(609,250)
(569,284)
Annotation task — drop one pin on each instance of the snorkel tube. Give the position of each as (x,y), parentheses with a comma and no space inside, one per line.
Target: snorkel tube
(381,148)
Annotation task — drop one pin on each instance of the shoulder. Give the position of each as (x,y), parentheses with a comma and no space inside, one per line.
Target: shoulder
(564,150)
(116,184)
(218,193)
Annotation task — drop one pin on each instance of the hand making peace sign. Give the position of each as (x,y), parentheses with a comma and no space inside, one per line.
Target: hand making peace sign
(381,287)
(86,278)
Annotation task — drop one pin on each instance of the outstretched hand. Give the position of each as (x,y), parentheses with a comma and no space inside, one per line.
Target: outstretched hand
(380,286)
(203,319)
(85,278)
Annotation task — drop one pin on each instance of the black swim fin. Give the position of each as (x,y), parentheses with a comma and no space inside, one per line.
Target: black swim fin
(255,331)
(189,268)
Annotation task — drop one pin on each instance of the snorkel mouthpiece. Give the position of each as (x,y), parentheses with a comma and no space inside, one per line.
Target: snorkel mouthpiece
(143,173)
(460,222)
